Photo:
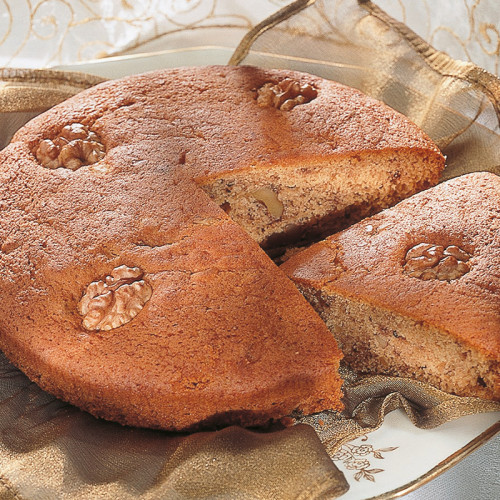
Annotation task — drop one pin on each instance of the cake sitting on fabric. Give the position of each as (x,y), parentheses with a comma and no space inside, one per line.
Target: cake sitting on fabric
(132,281)
(415,290)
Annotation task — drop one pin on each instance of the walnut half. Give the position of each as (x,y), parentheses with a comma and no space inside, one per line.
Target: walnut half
(73,148)
(427,261)
(270,199)
(285,95)
(115,301)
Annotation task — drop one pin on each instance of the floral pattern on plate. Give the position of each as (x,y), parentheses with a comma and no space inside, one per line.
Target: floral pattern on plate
(358,458)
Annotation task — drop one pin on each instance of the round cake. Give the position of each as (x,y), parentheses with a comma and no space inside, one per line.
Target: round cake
(132,276)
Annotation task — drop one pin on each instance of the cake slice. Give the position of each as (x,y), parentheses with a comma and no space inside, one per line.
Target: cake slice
(415,290)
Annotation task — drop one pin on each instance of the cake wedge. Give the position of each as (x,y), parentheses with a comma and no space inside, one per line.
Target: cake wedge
(415,290)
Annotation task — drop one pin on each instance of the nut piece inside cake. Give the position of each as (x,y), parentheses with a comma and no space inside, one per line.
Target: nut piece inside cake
(270,200)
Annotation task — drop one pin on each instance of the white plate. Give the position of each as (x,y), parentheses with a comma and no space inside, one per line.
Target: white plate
(398,457)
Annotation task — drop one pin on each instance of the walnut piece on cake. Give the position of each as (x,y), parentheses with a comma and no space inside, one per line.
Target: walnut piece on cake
(115,301)
(285,95)
(75,147)
(427,261)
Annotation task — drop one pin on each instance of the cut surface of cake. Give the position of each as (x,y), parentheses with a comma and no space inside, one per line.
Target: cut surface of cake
(132,281)
(415,290)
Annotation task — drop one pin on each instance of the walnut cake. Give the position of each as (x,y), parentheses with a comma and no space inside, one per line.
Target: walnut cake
(133,280)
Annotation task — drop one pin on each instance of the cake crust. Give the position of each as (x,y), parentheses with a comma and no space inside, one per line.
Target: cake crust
(223,337)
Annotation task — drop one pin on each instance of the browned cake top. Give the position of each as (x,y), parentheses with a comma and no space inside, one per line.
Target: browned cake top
(213,120)
(114,262)
(434,257)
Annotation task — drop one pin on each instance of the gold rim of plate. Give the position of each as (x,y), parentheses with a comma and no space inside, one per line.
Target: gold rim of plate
(442,466)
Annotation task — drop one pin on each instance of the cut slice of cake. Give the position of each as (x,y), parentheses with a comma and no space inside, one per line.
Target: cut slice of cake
(415,290)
